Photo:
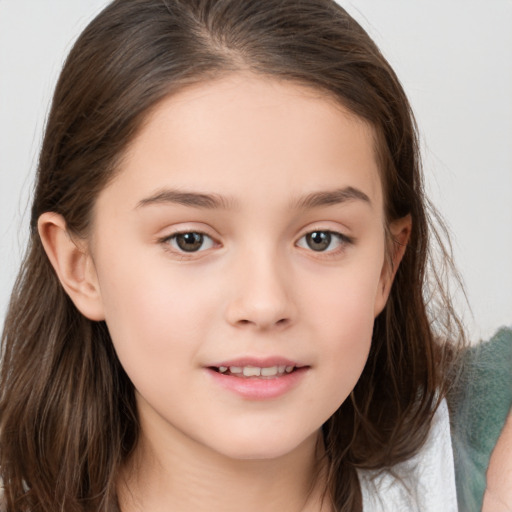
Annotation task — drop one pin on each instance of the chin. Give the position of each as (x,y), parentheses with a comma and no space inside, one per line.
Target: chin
(267,447)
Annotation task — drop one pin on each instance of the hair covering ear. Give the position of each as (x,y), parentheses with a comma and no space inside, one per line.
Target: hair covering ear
(72,264)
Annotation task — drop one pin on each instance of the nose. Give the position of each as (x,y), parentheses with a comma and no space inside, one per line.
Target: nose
(261,295)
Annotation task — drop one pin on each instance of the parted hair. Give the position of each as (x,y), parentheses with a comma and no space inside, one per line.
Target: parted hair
(68,417)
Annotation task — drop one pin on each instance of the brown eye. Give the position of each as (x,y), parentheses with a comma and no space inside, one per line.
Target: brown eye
(324,241)
(318,240)
(190,241)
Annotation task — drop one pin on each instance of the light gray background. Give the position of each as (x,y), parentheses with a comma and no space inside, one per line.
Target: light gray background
(454,58)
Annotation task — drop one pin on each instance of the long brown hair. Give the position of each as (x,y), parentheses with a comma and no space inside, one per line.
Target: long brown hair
(68,419)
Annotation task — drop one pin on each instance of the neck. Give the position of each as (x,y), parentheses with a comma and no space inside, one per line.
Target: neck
(183,476)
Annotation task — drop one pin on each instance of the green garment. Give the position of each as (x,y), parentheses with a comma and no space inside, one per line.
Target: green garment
(479,406)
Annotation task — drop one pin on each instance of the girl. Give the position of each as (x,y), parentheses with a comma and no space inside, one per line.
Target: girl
(223,302)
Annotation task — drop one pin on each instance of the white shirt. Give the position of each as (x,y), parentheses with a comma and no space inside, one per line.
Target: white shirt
(424,483)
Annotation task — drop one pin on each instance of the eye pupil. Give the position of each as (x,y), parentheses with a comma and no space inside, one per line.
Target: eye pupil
(318,240)
(189,242)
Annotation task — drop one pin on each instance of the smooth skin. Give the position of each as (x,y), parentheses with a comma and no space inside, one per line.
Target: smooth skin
(246,220)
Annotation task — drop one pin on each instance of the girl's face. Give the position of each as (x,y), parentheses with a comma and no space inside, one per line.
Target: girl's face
(239,256)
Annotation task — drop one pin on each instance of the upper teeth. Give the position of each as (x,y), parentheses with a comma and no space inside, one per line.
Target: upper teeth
(256,371)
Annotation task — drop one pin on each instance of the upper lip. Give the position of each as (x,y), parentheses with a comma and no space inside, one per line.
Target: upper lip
(259,362)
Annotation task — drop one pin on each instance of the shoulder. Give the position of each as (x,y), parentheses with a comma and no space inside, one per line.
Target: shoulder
(407,487)
(485,376)
(480,404)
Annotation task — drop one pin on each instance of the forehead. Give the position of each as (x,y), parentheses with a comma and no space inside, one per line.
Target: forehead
(245,134)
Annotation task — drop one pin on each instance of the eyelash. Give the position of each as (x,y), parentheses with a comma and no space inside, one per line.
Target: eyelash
(168,242)
(343,241)
(171,244)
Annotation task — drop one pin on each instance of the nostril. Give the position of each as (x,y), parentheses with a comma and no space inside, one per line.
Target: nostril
(279,323)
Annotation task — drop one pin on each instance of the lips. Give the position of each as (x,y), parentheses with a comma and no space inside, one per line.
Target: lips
(261,368)
(256,371)
(258,379)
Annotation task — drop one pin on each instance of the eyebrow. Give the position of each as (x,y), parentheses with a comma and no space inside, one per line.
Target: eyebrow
(217,201)
(193,199)
(332,197)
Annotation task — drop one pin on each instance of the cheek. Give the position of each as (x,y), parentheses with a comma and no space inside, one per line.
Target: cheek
(152,316)
(342,301)
(341,312)
(345,344)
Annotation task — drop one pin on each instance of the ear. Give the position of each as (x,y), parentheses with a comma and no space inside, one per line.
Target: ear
(400,232)
(72,264)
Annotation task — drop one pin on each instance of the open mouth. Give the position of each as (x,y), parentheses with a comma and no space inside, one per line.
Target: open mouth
(268,372)
(258,380)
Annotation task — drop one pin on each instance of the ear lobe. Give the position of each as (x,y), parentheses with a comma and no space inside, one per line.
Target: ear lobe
(400,232)
(72,264)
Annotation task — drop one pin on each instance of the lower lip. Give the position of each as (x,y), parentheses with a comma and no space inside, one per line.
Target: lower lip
(254,388)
